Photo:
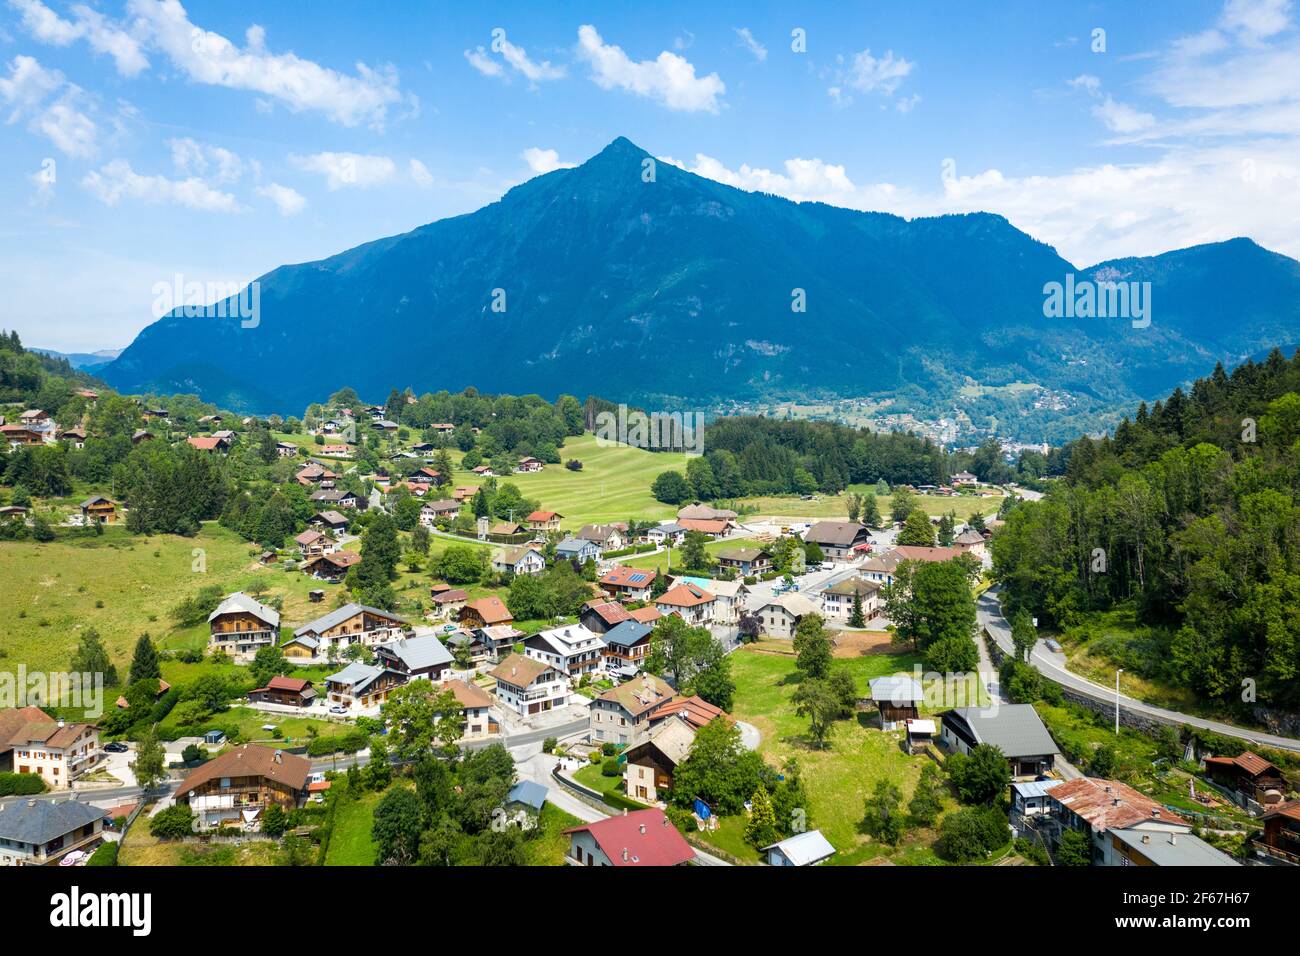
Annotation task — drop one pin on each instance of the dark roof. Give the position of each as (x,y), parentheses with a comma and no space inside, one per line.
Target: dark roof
(1015,729)
(25,820)
(251,760)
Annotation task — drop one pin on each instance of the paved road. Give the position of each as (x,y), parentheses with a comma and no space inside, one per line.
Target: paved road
(1052,667)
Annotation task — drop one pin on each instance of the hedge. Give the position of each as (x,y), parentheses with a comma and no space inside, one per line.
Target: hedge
(20,784)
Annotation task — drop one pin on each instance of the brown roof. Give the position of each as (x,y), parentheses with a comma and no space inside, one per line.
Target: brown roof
(1290,809)
(449,596)
(491,610)
(646,615)
(914,552)
(205,444)
(251,760)
(685,595)
(707,525)
(837,533)
(342,559)
(14,719)
(542,515)
(518,670)
(642,693)
(1252,763)
(45,731)
(469,695)
(622,575)
(611,612)
(1109,804)
(696,710)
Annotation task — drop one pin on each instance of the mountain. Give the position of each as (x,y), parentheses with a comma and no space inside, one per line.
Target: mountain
(680,291)
(82,359)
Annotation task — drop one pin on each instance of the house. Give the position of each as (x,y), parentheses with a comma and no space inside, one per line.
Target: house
(629,584)
(98,510)
(600,616)
(627,645)
(285,691)
(41,832)
(463,493)
(241,626)
(695,710)
(329,520)
(964,478)
(640,838)
(649,766)
(18,435)
(529,686)
(528,465)
(234,788)
(331,567)
(419,658)
(690,602)
(917,734)
(526,559)
(35,418)
(572,649)
(809,848)
(1281,836)
(838,539)
(286,449)
(485,612)
(362,685)
(898,698)
(1015,729)
(314,473)
(141,434)
(544,520)
(1247,774)
(780,616)
(971,541)
(1099,808)
(484,471)
(621,715)
(351,624)
(712,527)
(76,437)
(880,568)
(748,562)
(729,596)
(312,544)
(579,550)
(606,537)
(669,534)
(444,509)
(1029,800)
(499,639)
(699,512)
(910,552)
(447,601)
(58,752)
(505,529)
(476,713)
(339,498)
(211,443)
(838,599)
(335,450)
(524,804)
(1140,848)
(646,615)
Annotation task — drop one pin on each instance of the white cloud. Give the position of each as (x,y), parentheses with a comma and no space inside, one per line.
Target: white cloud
(865,73)
(803,179)
(289,201)
(516,57)
(208,57)
(543,160)
(53,107)
(749,43)
(117,180)
(191,157)
(103,35)
(1122,118)
(420,174)
(669,78)
(1255,20)
(348,169)
(479,59)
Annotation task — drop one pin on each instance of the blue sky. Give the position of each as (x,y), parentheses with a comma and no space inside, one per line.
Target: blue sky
(148,138)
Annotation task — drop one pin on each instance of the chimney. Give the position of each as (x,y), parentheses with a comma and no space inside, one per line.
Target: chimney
(642,829)
(1146,838)
(279,757)
(625,811)
(1155,811)
(625,854)
(1173,839)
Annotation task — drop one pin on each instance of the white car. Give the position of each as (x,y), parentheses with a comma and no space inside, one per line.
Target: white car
(338,709)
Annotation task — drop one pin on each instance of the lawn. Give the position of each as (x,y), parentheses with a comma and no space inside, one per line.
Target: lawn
(549,845)
(248,724)
(836,506)
(141,848)
(590,776)
(350,841)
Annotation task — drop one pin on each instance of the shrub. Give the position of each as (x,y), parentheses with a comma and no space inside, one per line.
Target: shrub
(608,749)
(105,855)
(20,784)
(971,833)
(192,753)
(549,745)
(610,768)
(173,823)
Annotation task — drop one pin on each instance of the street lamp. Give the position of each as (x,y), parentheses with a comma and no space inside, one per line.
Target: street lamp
(1118,671)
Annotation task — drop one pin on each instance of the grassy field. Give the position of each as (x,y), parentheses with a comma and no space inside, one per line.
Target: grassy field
(350,842)
(836,506)
(549,845)
(140,848)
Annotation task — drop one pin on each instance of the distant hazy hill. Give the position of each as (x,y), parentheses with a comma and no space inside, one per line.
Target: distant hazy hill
(681,288)
(83,359)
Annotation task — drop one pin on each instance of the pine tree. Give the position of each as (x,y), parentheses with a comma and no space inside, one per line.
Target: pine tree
(857,618)
(760,829)
(144,664)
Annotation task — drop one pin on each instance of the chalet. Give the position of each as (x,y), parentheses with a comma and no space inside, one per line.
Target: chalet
(35,418)
(76,437)
(240,627)
(880,568)
(964,478)
(19,435)
(908,552)
(1015,729)
(210,421)
(712,527)
(42,832)
(58,752)
(351,624)
(1248,775)
(284,691)
(529,686)
(621,715)
(331,567)
(426,476)
(141,434)
(523,804)
(669,535)
(572,649)
(1281,836)
(444,509)
(970,542)
(339,498)
(98,510)
(236,787)
(499,639)
(695,710)
(226,435)
(646,615)
(808,848)
(898,698)
(362,685)
(525,559)
(447,600)
(627,645)
(476,704)
(442,428)
(468,645)
(606,537)
(729,596)
(640,838)
(838,599)
(484,471)
(528,465)
(650,764)
(629,584)
(335,450)
(838,540)
(286,449)
(419,658)
(506,529)
(600,616)
(463,493)
(1029,800)
(312,544)
(780,616)
(329,520)
(385,425)
(691,603)
(748,562)
(578,550)
(314,473)
(545,521)
(485,612)
(210,443)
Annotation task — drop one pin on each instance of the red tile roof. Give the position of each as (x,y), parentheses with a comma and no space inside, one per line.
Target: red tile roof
(646,615)
(623,576)
(611,612)
(1252,763)
(543,515)
(1109,804)
(697,711)
(685,595)
(646,837)
(707,525)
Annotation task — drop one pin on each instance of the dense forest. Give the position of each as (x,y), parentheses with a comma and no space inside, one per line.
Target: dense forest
(1187,515)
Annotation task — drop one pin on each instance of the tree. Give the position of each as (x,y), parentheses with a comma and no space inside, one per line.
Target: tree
(981,776)
(760,828)
(883,819)
(1102,762)
(671,487)
(693,555)
(268,662)
(901,504)
(927,798)
(945,534)
(378,772)
(856,617)
(971,833)
(91,657)
(149,767)
(870,511)
(274,820)
(173,823)
(1074,849)
(1023,635)
(812,647)
(397,826)
(917,530)
(144,662)
(422,716)
(816,700)
(718,770)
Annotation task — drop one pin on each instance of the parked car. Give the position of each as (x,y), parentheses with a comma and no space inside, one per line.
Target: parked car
(338,709)
(116,747)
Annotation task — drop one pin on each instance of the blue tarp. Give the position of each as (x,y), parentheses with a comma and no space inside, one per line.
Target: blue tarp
(702,810)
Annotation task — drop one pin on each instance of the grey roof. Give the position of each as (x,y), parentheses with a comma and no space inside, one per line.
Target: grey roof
(22,822)
(239,601)
(1035,788)
(626,633)
(573,545)
(1015,729)
(1184,850)
(306,640)
(804,849)
(529,793)
(356,675)
(339,615)
(417,653)
(897,689)
(671,527)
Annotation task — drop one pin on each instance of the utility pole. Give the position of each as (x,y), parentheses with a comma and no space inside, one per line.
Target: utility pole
(1118,671)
